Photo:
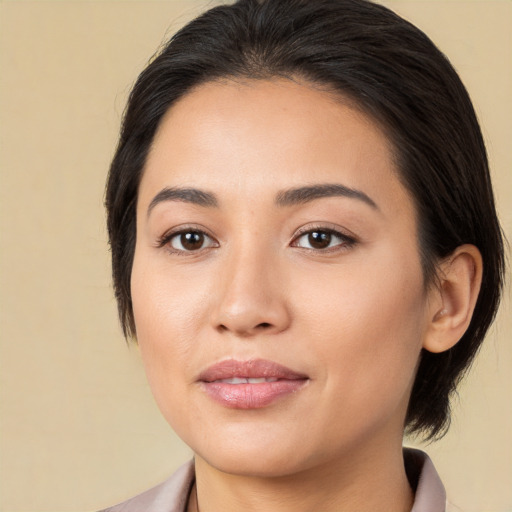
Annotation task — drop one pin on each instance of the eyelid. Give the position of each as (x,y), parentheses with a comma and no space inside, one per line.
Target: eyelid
(165,239)
(348,238)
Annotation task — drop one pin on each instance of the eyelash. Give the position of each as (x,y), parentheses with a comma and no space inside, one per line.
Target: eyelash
(166,239)
(345,241)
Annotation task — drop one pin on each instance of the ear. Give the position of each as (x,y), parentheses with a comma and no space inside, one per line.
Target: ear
(453,300)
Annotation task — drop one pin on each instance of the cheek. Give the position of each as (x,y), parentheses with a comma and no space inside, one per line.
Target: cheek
(167,303)
(368,324)
(167,313)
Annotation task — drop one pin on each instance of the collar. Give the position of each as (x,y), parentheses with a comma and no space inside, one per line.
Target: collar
(429,493)
(172,495)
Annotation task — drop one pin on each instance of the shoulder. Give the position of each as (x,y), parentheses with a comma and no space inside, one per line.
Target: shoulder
(169,496)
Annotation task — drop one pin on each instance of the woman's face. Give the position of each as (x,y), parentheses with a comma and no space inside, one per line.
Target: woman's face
(276,243)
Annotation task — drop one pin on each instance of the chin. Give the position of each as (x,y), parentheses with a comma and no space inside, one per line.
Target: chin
(256,450)
(254,463)
(260,453)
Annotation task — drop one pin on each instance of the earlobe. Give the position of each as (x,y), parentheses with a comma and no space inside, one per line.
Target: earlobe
(459,280)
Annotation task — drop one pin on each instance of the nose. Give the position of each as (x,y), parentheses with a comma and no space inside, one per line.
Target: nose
(252,298)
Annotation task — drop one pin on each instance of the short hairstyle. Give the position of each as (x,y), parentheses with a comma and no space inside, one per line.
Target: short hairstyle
(395,74)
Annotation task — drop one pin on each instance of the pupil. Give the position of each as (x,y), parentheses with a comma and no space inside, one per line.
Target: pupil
(319,239)
(192,241)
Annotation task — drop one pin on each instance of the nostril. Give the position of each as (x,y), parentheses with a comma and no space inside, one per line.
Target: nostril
(263,325)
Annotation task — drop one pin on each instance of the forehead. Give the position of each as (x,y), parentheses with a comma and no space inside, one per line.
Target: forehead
(261,135)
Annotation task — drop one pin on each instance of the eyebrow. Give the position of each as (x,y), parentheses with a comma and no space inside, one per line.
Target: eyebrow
(301,195)
(185,195)
(289,197)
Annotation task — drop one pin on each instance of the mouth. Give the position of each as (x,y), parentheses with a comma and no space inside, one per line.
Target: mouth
(244,380)
(250,384)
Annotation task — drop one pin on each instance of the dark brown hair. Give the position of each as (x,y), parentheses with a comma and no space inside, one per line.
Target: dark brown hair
(395,74)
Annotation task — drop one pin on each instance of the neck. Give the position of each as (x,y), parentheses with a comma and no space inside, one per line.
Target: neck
(375,480)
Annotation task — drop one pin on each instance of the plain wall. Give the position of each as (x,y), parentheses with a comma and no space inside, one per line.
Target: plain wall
(78,426)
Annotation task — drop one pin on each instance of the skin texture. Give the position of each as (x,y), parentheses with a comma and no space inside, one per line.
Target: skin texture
(352,317)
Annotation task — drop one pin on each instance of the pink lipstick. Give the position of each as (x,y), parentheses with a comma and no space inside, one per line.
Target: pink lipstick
(249,384)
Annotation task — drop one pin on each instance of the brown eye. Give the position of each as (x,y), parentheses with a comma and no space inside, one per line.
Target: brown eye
(319,239)
(322,239)
(188,241)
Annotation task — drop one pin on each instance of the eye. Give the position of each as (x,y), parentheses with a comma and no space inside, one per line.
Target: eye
(322,239)
(190,240)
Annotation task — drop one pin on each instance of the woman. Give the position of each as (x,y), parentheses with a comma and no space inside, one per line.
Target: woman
(305,247)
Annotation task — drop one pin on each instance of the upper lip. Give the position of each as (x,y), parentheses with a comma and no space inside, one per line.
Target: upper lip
(253,368)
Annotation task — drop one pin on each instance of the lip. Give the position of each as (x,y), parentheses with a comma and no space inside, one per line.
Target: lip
(279,382)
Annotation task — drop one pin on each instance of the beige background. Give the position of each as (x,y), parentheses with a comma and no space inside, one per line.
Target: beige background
(79,429)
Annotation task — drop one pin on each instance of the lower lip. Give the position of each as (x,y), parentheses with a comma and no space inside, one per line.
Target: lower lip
(251,396)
